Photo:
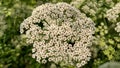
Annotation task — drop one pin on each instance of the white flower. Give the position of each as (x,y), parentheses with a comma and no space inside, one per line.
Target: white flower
(59,32)
(113,14)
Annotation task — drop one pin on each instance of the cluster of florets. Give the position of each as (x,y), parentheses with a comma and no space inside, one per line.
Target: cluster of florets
(3,25)
(91,7)
(117,28)
(59,33)
(88,7)
(113,14)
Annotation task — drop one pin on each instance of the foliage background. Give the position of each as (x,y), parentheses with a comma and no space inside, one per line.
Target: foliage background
(15,53)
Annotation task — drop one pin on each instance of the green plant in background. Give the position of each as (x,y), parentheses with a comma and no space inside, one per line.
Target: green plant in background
(110,65)
(12,45)
(3,25)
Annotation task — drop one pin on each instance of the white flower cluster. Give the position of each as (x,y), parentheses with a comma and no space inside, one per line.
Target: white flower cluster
(118,27)
(59,33)
(113,14)
(3,26)
(87,6)
(92,7)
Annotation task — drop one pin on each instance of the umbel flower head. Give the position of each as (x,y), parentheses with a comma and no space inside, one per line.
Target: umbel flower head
(113,13)
(59,33)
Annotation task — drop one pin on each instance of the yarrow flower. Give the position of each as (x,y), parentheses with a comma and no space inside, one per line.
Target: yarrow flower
(113,14)
(117,28)
(59,33)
